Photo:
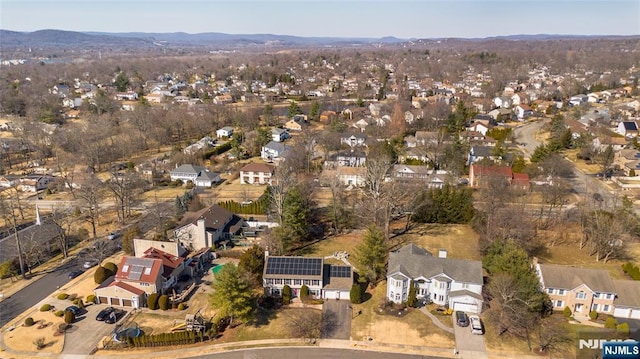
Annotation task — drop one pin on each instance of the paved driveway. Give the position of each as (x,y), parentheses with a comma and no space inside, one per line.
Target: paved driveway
(468,345)
(336,319)
(86,332)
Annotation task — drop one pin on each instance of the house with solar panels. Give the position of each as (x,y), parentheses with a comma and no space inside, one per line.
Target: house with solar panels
(326,281)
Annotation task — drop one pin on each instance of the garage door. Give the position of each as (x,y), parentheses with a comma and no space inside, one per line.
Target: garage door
(330,294)
(635,313)
(465,307)
(103,300)
(621,312)
(126,303)
(115,301)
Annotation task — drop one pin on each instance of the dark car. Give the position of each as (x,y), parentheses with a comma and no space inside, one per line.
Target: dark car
(73,309)
(462,319)
(75,273)
(114,316)
(104,314)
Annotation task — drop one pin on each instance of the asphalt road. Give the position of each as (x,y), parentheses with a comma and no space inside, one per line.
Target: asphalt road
(310,353)
(526,135)
(34,293)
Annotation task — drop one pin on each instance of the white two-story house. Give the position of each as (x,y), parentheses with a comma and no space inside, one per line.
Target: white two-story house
(456,283)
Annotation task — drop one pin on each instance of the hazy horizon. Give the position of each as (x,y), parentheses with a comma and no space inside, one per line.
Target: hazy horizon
(331,18)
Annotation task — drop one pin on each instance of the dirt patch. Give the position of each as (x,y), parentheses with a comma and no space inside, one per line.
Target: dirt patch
(22,338)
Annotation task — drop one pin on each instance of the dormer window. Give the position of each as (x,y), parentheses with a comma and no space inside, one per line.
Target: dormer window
(147,271)
(125,269)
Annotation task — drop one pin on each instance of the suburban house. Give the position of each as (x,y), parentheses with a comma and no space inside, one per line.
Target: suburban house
(354,139)
(224,132)
(41,235)
(172,266)
(326,281)
(617,143)
(34,183)
(207,227)
(578,100)
(580,289)
(199,176)
(523,111)
(627,128)
(279,134)
(481,175)
(429,177)
(479,153)
(627,303)
(256,173)
(273,151)
(347,176)
(456,283)
(353,158)
(136,278)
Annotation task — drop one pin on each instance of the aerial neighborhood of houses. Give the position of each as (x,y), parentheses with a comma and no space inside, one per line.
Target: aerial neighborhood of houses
(297,187)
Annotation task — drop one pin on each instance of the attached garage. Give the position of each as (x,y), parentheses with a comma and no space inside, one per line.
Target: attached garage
(627,302)
(465,301)
(118,294)
(465,307)
(335,294)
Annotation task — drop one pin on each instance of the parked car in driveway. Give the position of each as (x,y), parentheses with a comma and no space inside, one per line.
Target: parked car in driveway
(73,309)
(114,316)
(476,325)
(462,320)
(104,314)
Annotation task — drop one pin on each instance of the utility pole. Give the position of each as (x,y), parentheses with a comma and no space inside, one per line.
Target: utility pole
(15,232)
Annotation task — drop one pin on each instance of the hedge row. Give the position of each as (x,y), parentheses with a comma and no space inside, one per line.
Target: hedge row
(258,207)
(632,270)
(217,150)
(163,339)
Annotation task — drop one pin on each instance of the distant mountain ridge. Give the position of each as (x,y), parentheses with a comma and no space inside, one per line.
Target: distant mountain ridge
(143,39)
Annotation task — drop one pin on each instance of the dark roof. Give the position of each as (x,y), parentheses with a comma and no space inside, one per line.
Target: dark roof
(564,277)
(415,261)
(214,216)
(188,169)
(293,266)
(40,234)
(627,293)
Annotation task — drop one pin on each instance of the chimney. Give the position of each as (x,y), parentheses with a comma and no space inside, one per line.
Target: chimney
(266,253)
(442,253)
(38,220)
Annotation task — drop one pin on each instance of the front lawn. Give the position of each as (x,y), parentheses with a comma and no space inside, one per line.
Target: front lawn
(410,328)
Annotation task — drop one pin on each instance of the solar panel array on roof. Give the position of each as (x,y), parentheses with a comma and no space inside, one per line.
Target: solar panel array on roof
(136,272)
(340,272)
(294,266)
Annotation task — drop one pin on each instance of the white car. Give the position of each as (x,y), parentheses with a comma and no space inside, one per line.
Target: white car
(476,325)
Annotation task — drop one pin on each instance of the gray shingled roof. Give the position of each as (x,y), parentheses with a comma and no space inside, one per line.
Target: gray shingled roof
(627,292)
(556,276)
(415,262)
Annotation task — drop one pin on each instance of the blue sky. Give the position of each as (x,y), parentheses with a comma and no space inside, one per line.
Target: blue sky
(341,18)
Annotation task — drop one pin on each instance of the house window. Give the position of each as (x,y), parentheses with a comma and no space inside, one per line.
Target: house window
(278,281)
(297,282)
(315,282)
(307,282)
(559,304)
(609,295)
(287,281)
(442,285)
(578,308)
(595,307)
(465,285)
(560,291)
(398,284)
(581,295)
(605,308)
(440,298)
(550,290)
